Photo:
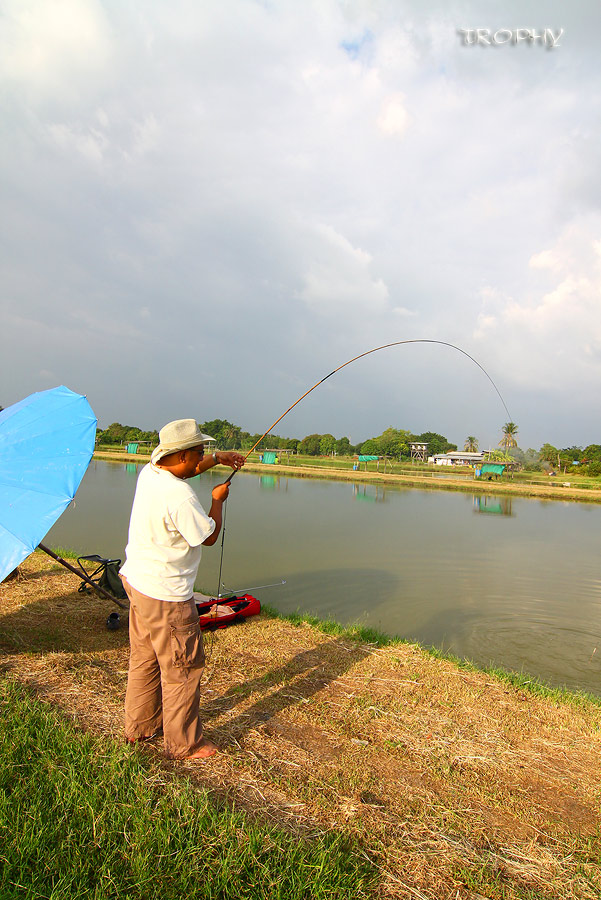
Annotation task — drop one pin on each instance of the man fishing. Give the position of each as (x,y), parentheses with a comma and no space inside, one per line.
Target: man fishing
(167,530)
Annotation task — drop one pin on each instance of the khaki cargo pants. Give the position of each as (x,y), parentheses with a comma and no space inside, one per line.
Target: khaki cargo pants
(165,666)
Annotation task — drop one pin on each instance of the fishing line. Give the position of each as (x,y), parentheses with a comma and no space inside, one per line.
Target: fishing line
(221,556)
(255,587)
(360,356)
(209,649)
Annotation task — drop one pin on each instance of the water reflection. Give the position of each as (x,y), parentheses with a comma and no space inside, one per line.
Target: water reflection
(494,506)
(369,492)
(273,483)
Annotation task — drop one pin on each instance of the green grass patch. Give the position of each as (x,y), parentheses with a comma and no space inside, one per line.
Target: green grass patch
(328,626)
(82,817)
(64,552)
(521,680)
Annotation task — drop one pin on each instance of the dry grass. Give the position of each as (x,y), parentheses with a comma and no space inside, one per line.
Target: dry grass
(456,784)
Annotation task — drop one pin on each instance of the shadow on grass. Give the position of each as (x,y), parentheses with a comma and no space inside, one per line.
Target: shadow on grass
(65,623)
(303,676)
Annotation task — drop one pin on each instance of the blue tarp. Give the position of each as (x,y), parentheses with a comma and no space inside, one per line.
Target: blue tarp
(46,443)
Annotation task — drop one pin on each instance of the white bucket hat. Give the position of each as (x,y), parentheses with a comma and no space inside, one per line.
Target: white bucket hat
(178,435)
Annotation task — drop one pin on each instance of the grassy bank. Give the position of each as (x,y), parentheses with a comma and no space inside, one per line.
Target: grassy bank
(82,816)
(525,484)
(344,749)
(374,638)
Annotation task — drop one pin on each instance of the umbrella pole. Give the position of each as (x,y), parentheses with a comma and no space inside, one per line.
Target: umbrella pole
(82,575)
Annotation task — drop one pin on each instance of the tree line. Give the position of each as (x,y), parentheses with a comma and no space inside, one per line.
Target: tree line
(586,460)
(550,459)
(393,442)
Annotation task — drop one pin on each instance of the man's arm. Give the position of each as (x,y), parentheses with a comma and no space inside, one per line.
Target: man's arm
(219,495)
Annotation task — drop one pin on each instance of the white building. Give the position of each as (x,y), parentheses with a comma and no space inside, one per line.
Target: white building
(457,458)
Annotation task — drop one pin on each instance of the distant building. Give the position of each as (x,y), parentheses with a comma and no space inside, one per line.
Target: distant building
(457,458)
(419,450)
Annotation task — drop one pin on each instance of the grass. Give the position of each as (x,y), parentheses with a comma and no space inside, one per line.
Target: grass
(81,816)
(330,626)
(455,783)
(65,553)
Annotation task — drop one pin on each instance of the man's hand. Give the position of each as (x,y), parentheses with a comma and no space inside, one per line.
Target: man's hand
(230,458)
(220,492)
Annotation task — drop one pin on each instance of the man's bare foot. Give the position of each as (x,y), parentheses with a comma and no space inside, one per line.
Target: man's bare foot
(205,750)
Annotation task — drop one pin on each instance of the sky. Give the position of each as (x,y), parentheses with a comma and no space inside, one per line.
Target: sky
(208,207)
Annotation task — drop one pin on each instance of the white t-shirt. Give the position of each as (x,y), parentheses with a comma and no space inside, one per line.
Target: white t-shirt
(166,530)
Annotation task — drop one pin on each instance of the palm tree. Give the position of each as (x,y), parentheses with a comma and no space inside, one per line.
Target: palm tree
(471,444)
(510,430)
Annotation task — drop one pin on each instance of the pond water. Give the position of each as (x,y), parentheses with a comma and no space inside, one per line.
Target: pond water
(503,581)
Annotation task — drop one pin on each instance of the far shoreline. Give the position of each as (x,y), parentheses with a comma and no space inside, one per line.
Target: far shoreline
(555,490)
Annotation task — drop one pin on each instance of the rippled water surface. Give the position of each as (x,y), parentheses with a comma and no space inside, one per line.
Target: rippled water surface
(504,581)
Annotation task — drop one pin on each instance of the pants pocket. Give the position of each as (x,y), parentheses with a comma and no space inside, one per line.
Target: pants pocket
(187,650)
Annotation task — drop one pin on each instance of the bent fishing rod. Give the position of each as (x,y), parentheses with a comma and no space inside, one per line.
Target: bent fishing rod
(325,378)
(360,356)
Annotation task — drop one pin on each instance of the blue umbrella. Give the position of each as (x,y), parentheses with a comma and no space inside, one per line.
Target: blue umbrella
(46,443)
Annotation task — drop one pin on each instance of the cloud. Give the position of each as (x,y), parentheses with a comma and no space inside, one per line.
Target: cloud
(337,278)
(292,184)
(90,145)
(543,260)
(49,48)
(551,335)
(393,119)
